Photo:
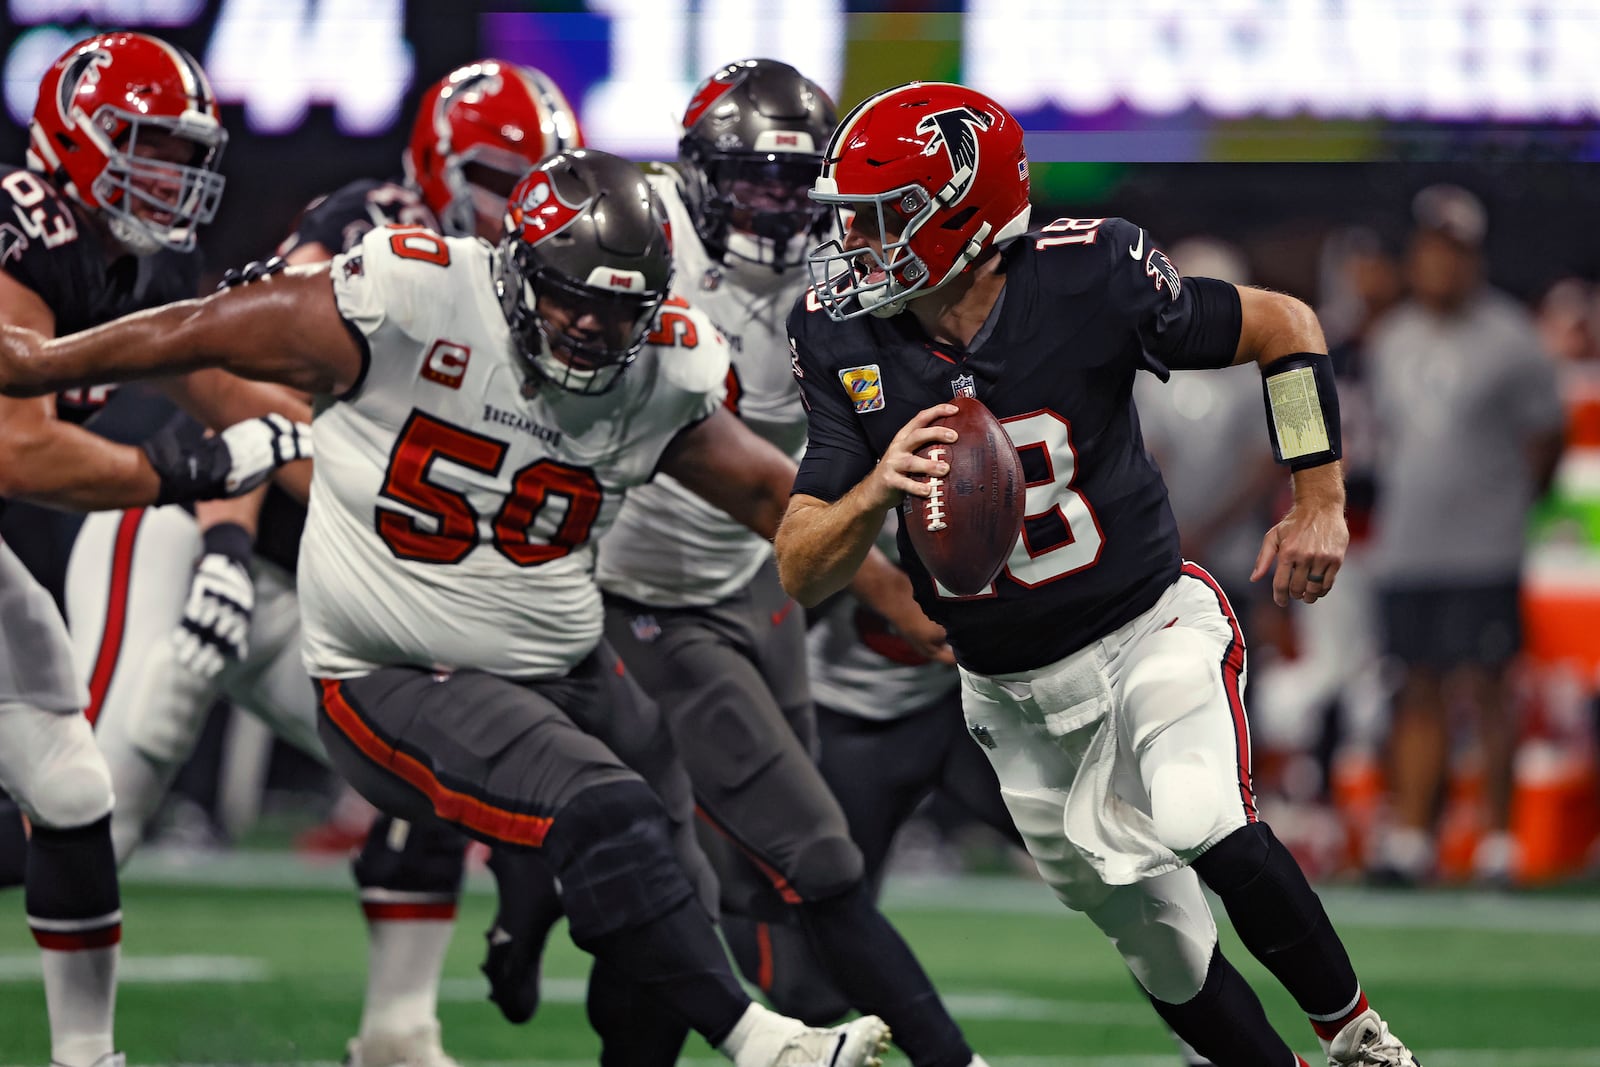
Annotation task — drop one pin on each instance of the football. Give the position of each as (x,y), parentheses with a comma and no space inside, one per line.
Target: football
(965,529)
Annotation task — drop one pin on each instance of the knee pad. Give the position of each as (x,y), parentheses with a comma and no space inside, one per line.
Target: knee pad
(827,867)
(1164,931)
(611,847)
(54,771)
(1194,802)
(420,857)
(1180,725)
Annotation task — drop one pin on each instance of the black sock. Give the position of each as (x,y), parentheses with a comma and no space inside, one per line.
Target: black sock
(72,885)
(529,907)
(1279,918)
(636,1028)
(876,970)
(13,844)
(678,959)
(1225,1023)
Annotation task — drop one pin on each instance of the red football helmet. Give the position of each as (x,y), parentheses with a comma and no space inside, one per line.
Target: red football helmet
(478,130)
(938,173)
(109,131)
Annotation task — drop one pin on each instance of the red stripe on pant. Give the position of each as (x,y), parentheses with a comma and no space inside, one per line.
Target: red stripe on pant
(451,805)
(772,874)
(78,940)
(416,912)
(105,660)
(764,967)
(1232,673)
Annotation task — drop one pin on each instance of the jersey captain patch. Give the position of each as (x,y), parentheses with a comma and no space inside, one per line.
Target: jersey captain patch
(864,385)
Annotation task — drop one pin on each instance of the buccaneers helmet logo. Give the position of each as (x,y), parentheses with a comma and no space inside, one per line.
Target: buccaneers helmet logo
(956,131)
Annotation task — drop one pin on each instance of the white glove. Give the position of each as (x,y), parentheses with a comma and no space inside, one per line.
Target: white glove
(216,619)
(257,447)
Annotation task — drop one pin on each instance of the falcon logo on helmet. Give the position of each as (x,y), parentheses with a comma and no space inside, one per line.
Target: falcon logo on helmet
(956,131)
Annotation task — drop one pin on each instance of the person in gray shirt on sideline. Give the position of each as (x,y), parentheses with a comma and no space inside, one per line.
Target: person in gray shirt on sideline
(1471,420)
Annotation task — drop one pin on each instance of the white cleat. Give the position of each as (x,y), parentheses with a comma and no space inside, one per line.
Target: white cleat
(110,1059)
(1366,1041)
(418,1048)
(764,1038)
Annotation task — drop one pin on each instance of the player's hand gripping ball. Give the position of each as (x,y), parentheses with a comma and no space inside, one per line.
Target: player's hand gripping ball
(965,529)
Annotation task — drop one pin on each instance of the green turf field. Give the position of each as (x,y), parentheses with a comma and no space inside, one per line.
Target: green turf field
(262,961)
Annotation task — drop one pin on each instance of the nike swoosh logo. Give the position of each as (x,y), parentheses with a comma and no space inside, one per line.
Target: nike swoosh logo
(1137,251)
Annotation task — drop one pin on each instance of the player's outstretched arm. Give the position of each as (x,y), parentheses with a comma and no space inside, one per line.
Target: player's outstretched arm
(722,461)
(284,328)
(1308,545)
(821,545)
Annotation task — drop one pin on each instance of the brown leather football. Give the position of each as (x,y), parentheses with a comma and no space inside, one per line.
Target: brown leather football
(965,531)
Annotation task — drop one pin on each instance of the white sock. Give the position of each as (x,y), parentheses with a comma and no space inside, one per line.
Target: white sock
(404,958)
(755,1030)
(80,993)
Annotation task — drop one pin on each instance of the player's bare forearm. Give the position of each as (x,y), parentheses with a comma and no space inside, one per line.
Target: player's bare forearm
(242,511)
(821,546)
(61,465)
(722,461)
(285,329)
(1273,325)
(886,589)
(1320,487)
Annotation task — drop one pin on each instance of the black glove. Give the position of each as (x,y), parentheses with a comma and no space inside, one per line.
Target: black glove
(253,271)
(193,466)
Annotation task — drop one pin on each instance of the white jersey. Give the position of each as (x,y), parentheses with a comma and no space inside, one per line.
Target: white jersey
(452,517)
(669,547)
(859,666)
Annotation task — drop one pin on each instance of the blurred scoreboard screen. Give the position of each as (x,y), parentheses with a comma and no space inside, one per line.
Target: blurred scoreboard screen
(274,59)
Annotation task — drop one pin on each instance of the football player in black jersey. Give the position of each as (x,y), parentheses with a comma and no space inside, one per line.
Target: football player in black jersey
(477,131)
(1102,674)
(121,171)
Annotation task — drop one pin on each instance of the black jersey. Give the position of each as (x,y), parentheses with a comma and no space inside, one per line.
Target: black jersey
(340,219)
(1086,305)
(49,247)
(337,222)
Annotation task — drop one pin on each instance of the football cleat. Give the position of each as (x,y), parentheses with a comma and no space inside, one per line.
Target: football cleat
(1366,1041)
(110,1059)
(418,1048)
(857,1043)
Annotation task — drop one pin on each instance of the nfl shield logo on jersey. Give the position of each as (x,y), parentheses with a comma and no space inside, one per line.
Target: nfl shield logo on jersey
(865,386)
(645,628)
(963,385)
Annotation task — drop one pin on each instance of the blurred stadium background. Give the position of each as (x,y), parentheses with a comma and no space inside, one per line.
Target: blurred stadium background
(1284,141)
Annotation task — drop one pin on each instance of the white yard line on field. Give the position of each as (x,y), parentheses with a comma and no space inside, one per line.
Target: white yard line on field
(154,970)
